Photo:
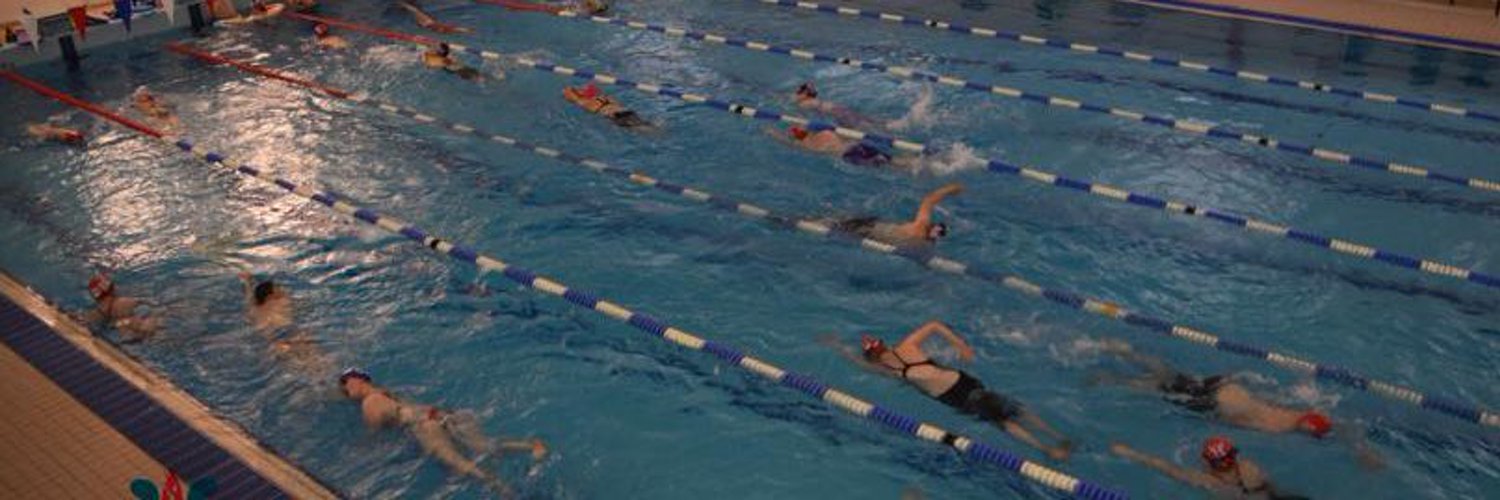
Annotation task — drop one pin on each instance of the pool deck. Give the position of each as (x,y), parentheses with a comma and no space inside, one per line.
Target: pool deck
(84,420)
(1465,27)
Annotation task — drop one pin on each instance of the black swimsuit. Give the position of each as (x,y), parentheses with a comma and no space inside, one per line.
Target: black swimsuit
(968,395)
(1200,395)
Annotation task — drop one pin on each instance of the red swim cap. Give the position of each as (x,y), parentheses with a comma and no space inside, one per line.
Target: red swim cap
(72,137)
(589,91)
(798,132)
(873,347)
(1315,423)
(100,286)
(1219,452)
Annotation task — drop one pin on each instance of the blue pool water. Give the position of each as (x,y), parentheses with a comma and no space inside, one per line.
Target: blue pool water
(631,417)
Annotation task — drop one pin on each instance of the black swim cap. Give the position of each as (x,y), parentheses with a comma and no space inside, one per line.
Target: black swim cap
(263,290)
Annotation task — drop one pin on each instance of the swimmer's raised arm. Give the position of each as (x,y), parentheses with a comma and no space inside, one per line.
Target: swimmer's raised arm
(1185,475)
(924,212)
(916,337)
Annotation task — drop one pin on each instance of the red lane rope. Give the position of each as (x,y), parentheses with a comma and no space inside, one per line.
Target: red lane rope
(418,39)
(524,6)
(17,79)
(255,68)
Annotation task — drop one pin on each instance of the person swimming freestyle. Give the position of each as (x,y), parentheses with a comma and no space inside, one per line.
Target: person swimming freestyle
(591,99)
(955,388)
(1224,472)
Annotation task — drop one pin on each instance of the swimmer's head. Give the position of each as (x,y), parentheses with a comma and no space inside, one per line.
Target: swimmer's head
(100,287)
(807,91)
(872,347)
(797,132)
(937,231)
(1314,423)
(264,291)
(443,49)
(1220,453)
(320,30)
(353,374)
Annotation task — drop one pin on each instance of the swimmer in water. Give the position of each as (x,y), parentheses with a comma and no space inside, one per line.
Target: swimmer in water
(148,104)
(50,132)
(920,232)
(955,388)
(590,98)
(269,309)
(324,38)
(441,56)
(1221,398)
(426,20)
(438,431)
(119,311)
(1223,473)
(855,152)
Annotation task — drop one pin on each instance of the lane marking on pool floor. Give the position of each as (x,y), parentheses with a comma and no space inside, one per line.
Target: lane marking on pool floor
(1193,127)
(971,448)
(1339,246)
(1140,57)
(1460,410)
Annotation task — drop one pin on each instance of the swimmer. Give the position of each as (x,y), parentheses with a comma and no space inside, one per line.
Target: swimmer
(148,104)
(921,232)
(590,98)
(327,39)
(952,387)
(50,132)
(1224,399)
(269,309)
(438,431)
(119,311)
(441,56)
(426,20)
(855,152)
(1224,472)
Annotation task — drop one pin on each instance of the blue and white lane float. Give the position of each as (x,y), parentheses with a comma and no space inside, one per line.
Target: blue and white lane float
(1171,62)
(1468,412)
(968,447)
(1182,126)
(1341,246)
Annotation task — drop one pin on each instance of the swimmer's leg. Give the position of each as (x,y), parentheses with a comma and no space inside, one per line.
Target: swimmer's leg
(434,439)
(464,426)
(1025,436)
(1031,420)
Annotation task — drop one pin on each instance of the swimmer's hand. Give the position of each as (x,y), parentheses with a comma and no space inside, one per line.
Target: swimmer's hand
(966,354)
(538,449)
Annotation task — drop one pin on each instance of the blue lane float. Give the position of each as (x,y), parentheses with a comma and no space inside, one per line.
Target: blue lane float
(1468,412)
(1156,60)
(968,447)
(1182,126)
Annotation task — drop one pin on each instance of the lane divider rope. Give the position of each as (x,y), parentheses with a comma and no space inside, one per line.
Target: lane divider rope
(1333,373)
(845,401)
(1181,126)
(1051,179)
(1085,48)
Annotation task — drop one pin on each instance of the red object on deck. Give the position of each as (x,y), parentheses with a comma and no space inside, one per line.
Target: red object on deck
(80,18)
(79,103)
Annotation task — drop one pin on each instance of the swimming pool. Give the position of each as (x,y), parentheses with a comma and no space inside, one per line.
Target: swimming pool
(629,417)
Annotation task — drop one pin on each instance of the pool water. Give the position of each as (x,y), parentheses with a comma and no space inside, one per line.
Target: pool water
(628,416)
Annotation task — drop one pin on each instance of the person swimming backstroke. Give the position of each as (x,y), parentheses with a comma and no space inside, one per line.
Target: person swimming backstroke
(955,388)
(438,431)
